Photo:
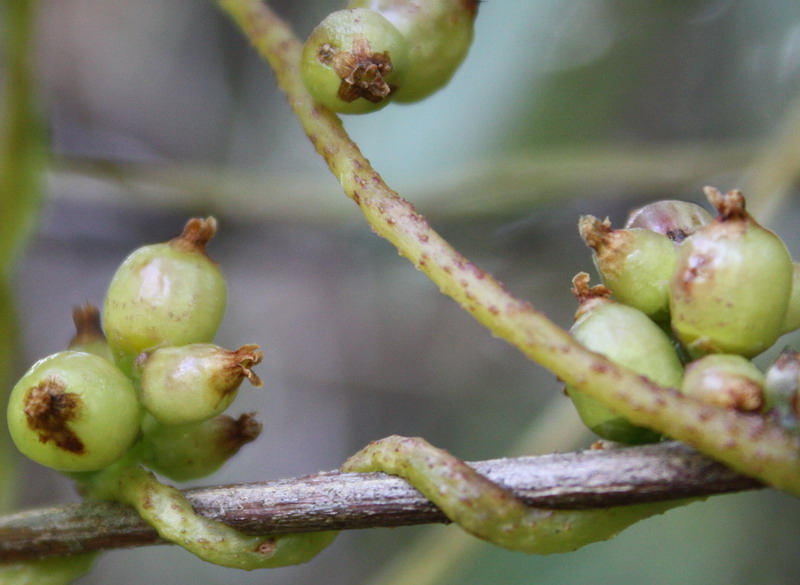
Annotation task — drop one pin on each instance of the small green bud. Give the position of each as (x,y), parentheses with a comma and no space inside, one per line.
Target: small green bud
(732,283)
(628,337)
(165,294)
(187,452)
(74,411)
(89,336)
(636,264)
(726,380)
(439,35)
(354,61)
(192,383)
(675,219)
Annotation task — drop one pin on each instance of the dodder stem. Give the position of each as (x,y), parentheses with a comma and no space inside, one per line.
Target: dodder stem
(750,444)
(341,501)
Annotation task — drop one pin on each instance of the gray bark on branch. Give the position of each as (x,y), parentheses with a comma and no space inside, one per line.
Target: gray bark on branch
(340,501)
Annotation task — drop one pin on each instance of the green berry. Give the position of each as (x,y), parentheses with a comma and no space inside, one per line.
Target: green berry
(74,411)
(636,264)
(165,294)
(675,219)
(187,452)
(354,61)
(729,381)
(192,383)
(792,320)
(782,388)
(439,34)
(89,336)
(628,337)
(732,283)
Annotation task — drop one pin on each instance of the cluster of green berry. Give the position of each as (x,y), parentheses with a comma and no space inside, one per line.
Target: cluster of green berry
(696,298)
(359,59)
(149,381)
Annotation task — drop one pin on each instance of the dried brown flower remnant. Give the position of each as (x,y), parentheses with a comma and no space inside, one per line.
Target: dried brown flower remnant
(48,409)
(362,72)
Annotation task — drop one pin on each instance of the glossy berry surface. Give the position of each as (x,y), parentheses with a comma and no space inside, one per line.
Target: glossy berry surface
(192,383)
(629,338)
(165,294)
(354,61)
(636,264)
(732,283)
(74,411)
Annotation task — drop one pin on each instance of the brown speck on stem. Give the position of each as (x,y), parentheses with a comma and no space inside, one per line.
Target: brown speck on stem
(87,325)
(48,408)
(266,548)
(362,72)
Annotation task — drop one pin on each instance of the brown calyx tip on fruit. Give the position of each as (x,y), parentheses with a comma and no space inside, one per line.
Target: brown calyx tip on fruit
(246,357)
(593,231)
(48,409)
(87,325)
(730,205)
(196,234)
(362,72)
(588,297)
(246,428)
(584,293)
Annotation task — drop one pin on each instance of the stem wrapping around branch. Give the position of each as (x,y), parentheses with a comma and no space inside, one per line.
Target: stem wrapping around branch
(750,444)
(598,478)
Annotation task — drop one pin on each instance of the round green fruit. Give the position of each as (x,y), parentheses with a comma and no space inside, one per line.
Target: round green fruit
(74,411)
(782,389)
(192,451)
(636,264)
(438,33)
(628,337)
(732,283)
(675,219)
(729,381)
(354,61)
(792,320)
(192,383)
(165,294)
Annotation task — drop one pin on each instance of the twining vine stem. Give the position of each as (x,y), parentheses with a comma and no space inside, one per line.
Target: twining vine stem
(332,500)
(750,444)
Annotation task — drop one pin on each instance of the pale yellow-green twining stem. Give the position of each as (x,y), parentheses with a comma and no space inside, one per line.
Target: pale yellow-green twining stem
(750,444)
(490,512)
(168,511)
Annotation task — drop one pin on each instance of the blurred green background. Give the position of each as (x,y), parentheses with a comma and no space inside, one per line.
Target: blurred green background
(156,111)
